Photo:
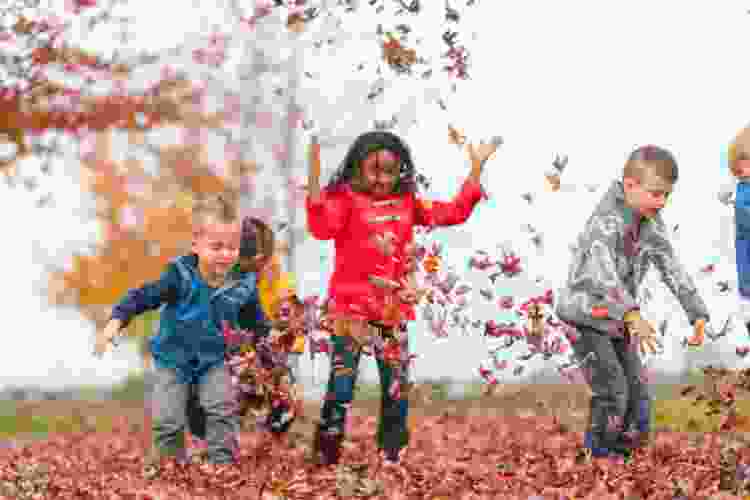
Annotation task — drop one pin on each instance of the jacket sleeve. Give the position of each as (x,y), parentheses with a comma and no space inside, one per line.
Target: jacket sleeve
(674,276)
(328,217)
(593,281)
(451,213)
(149,296)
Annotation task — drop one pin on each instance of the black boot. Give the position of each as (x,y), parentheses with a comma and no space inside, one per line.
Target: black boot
(392,455)
(326,447)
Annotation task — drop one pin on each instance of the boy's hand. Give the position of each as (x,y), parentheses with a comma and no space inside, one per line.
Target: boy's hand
(105,336)
(642,329)
(699,333)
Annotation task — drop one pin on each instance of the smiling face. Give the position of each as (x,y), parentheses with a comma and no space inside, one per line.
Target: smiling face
(379,172)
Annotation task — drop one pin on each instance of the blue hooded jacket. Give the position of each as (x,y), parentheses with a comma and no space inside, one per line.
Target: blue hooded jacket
(742,210)
(190,338)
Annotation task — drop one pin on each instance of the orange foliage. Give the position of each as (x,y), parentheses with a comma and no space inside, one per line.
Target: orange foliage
(129,256)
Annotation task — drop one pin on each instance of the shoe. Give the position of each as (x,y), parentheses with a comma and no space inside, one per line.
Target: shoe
(326,448)
(392,456)
(596,452)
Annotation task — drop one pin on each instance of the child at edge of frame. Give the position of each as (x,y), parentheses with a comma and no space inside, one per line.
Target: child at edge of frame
(620,240)
(738,193)
(370,209)
(198,294)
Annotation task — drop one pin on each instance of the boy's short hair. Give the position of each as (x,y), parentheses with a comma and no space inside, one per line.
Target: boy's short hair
(739,145)
(654,160)
(213,209)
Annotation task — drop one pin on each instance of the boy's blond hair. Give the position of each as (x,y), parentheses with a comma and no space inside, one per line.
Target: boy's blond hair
(739,145)
(652,160)
(213,209)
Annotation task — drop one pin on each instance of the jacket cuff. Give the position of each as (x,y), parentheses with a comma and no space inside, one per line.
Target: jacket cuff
(695,308)
(473,190)
(123,318)
(618,311)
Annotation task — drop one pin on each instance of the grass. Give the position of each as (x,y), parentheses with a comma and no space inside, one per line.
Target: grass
(669,410)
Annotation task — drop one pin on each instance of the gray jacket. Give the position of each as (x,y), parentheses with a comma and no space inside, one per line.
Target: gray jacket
(608,268)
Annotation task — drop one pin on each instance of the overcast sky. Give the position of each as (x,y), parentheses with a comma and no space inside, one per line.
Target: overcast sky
(588,81)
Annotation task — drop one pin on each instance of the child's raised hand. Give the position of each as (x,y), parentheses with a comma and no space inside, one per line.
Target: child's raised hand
(480,154)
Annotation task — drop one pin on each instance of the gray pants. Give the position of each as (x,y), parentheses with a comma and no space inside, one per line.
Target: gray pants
(619,394)
(169,414)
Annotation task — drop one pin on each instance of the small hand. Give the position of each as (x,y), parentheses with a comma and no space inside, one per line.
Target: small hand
(105,336)
(699,332)
(484,151)
(642,329)
(647,341)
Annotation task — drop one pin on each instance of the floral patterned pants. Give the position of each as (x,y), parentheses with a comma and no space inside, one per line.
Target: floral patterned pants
(390,348)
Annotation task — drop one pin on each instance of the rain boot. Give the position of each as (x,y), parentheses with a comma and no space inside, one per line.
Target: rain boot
(326,447)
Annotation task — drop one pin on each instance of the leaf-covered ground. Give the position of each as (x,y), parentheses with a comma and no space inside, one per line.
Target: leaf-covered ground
(510,446)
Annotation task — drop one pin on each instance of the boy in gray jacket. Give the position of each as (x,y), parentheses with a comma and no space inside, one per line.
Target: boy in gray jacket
(621,239)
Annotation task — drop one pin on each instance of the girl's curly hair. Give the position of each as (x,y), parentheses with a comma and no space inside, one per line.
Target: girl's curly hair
(365,144)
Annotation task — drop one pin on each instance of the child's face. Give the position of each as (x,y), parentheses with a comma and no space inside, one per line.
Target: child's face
(217,246)
(380,171)
(742,164)
(647,196)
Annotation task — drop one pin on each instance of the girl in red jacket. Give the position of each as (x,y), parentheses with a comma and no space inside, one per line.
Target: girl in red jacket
(369,209)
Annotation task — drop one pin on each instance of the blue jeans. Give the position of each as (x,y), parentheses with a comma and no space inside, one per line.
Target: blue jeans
(620,400)
(170,404)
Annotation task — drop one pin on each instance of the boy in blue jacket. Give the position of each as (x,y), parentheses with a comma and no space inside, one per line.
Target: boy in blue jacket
(739,166)
(199,294)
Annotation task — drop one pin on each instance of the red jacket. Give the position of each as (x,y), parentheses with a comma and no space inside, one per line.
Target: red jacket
(353,219)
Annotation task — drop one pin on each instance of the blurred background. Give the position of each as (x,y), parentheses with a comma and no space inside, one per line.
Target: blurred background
(109,208)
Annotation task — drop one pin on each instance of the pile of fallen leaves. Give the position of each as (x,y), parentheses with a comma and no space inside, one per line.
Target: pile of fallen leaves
(719,396)
(450,456)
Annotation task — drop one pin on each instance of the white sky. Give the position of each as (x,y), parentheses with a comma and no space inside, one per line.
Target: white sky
(588,81)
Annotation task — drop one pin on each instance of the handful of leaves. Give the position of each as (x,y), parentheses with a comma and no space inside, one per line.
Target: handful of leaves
(261,378)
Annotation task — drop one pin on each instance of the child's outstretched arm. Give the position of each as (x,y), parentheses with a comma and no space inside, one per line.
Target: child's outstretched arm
(137,301)
(327,213)
(594,294)
(674,276)
(458,210)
